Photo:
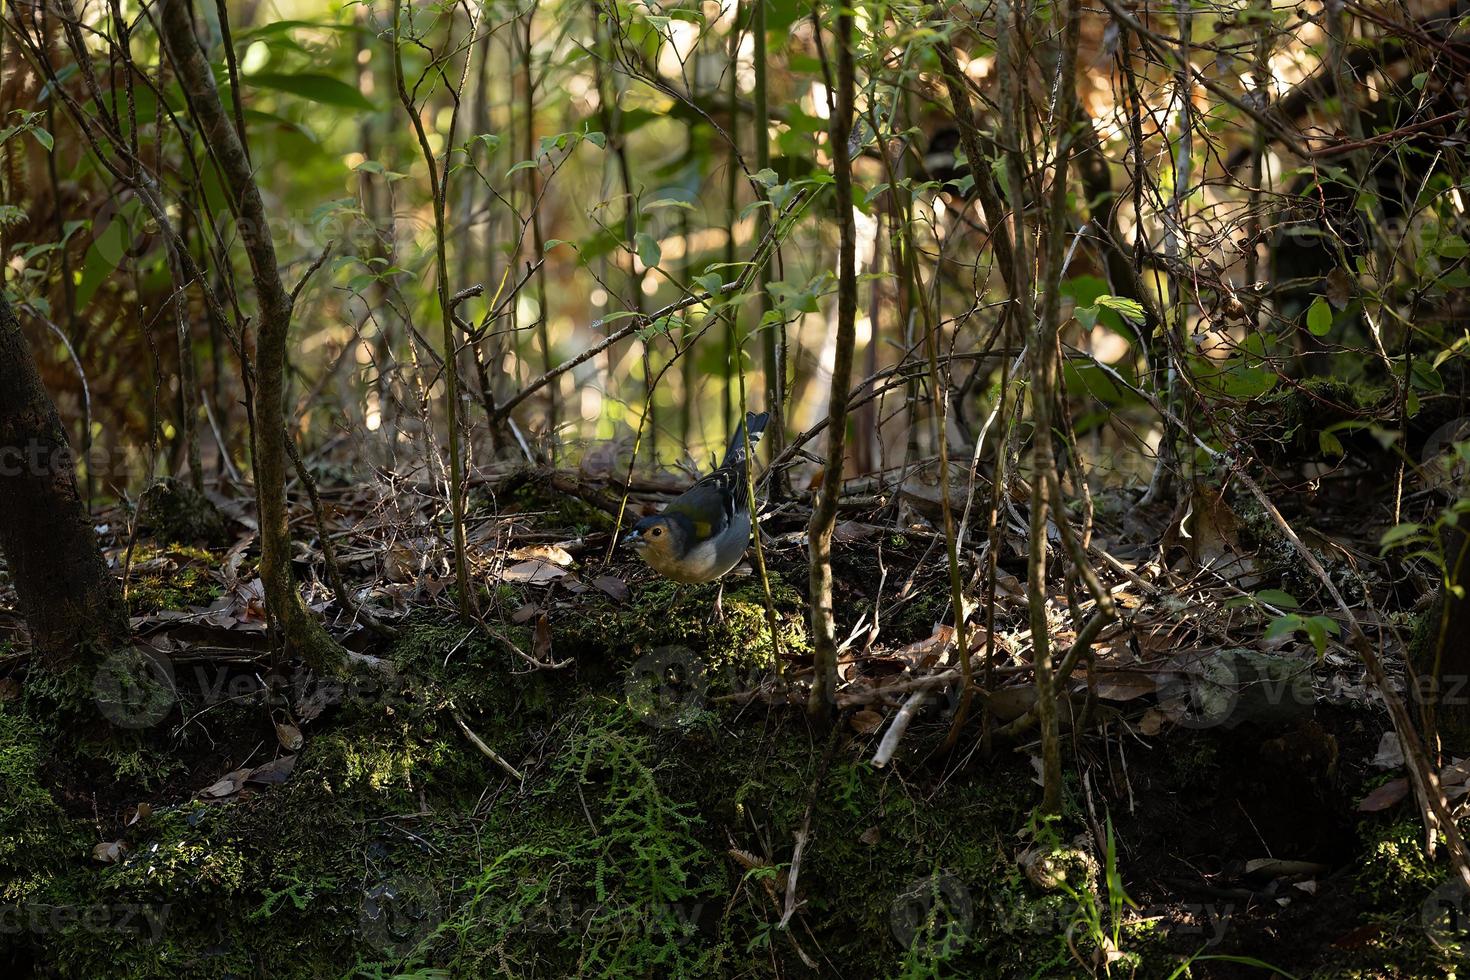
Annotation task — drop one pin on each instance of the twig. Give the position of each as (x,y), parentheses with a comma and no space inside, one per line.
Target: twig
(310,271)
(898,727)
(490,753)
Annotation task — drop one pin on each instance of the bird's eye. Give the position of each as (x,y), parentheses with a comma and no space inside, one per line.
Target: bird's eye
(657,532)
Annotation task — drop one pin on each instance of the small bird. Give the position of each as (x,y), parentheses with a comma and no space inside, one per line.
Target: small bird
(702,533)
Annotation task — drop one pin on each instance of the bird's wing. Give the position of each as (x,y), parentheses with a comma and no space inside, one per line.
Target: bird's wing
(753,424)
(710,504)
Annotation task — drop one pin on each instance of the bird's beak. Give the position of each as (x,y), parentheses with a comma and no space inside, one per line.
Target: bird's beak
(634,539)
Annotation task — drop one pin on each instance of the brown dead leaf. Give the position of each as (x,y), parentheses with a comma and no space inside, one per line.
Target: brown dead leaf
(9,689)
(1456,774)
(1008,586)
(613,586)
(524,613)
(929,651)
(1390,754)
(866,722)
(227,786)
(401,564)
(1124,685)
(1010,703)
(533,572)
(1339,288)
(1152,721)
(871,836)
(848,532)
(109,852)
(141,813)
(541,639)
(311,705)
(289,736)
(553,553)
(1280,868)
(1385,796)
(276,771)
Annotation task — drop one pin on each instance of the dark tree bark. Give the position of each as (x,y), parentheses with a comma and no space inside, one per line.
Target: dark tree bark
(70,601)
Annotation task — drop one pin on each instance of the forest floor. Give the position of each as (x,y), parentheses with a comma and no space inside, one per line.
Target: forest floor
(601,778)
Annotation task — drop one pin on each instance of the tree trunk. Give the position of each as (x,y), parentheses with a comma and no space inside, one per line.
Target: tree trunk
(70,601)
(303,635)
(823,696)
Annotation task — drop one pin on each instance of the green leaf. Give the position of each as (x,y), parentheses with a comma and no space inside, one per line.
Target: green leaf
(1319,317)
(766,176)
(524,164)
(597,139)
(1453,247)
(1317,634)
(1330,444)
(650,253)
(1277,598)
(44,138)
(1128,309)
(668,202)
(753,207)
(317,88)
(710,283)
(1400,533)
(1283,626)
(491,141)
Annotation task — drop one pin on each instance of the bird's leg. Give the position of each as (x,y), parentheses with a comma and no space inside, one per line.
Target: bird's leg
(720,602)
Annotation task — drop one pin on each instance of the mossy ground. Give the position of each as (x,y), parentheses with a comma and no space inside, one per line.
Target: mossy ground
(170,577)
(653,831)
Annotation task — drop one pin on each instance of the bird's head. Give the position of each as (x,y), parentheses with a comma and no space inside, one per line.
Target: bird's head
(658,539)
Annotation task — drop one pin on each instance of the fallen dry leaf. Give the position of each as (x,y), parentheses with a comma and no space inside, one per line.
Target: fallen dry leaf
(1385,796)
(848,532)
(1390,754)
(541,639)
(109,852)
(1124,685)
(289,736)
(534,571)
(612,586)
(276,771)
(309,707)
(227,786)
(866,722)
(555,554)
(1279,868)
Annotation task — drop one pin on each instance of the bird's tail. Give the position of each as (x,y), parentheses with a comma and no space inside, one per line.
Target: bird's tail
(756,426)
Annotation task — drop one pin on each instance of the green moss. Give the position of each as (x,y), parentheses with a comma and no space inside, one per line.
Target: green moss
(174,511)
(1395,868)
(174,577)
(634,847)
(1310,405)
(35,835)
